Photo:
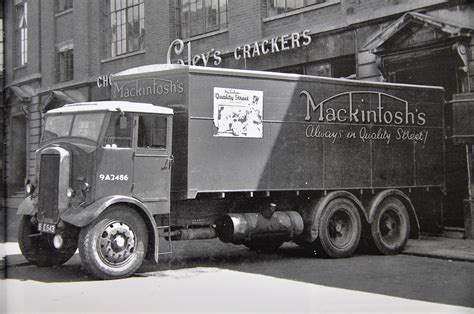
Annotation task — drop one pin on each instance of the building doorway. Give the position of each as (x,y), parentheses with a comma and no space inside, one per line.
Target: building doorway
(17,156)
(442,71)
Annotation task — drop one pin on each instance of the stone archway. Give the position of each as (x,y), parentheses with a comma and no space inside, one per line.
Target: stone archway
(17,100)
(420,49)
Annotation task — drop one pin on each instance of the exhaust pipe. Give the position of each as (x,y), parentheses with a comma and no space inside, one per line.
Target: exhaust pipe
(241,228)
(193,234)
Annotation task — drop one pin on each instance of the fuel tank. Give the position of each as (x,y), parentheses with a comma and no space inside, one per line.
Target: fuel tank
(239,228)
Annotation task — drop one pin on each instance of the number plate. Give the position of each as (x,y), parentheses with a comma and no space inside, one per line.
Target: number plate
(48,228)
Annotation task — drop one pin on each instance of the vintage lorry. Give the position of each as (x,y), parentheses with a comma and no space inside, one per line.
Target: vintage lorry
(253,158)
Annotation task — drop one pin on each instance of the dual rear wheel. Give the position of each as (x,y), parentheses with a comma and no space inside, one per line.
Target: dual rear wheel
(390,228)
(340,228)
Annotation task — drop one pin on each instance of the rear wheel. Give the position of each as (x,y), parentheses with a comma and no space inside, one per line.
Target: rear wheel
(39,249)
(390,228)
(339,229)
(114,245)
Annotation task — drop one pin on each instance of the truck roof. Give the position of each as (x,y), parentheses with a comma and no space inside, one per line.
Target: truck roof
(178,68)
(124,106)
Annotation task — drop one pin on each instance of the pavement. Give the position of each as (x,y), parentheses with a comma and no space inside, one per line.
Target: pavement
(442,248)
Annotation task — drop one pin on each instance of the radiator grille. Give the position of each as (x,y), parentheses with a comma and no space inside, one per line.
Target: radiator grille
(48,188)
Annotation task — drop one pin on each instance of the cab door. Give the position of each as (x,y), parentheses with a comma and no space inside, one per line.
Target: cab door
(153,161)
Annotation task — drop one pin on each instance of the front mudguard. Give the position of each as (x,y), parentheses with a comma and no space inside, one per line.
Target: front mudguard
(27,207)
(81,217)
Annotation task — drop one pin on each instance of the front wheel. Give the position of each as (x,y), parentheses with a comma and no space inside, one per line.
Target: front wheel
(390,228)
(339,229)
(114,245)
(38,248)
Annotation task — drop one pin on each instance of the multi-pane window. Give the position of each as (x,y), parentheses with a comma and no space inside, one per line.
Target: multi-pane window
(126,28)
(276,7)
(21,33)
(344,67)
(194,17)
(64,65)
(63,5)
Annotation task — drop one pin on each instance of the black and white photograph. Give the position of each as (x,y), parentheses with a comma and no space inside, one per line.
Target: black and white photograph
(226,156)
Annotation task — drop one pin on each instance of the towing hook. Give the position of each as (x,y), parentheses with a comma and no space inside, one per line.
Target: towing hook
(267,213)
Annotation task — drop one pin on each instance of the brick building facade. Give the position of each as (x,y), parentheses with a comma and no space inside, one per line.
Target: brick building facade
(63,51)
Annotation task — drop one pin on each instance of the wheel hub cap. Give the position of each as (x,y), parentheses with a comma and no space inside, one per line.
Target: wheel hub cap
(390,224)
(340,228)
(117,243)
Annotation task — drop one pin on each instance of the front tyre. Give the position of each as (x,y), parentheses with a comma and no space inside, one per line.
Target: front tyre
(114,245)
(39,249)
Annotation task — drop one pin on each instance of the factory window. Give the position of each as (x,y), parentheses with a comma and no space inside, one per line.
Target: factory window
(21,33)
(125,31)
(275,7)
(194,17)
(63,5)
(64,63)
(342,67)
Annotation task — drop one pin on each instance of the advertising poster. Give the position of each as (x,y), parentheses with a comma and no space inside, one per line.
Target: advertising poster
(238,112)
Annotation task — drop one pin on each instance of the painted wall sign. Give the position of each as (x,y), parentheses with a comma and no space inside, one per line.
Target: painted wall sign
(273,45)
(103,81)
(178,46)
(238,112)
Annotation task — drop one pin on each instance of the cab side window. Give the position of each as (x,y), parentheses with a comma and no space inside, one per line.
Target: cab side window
(119,131)
(152,131)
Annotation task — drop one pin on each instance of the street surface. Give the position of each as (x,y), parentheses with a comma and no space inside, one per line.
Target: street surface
(210,276)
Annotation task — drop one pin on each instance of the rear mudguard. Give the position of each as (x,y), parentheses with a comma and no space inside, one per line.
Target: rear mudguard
(81,217)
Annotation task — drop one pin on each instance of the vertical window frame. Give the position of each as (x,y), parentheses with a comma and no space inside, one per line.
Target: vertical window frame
(21,33)
(197,17)
(64,63)
(2,47)
(125,29)
(277,7)
(63,5)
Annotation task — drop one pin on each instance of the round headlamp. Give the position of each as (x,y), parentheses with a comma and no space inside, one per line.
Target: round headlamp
(29,188)
(70,192)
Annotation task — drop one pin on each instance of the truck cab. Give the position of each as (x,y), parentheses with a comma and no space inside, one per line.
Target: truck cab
(94,157)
